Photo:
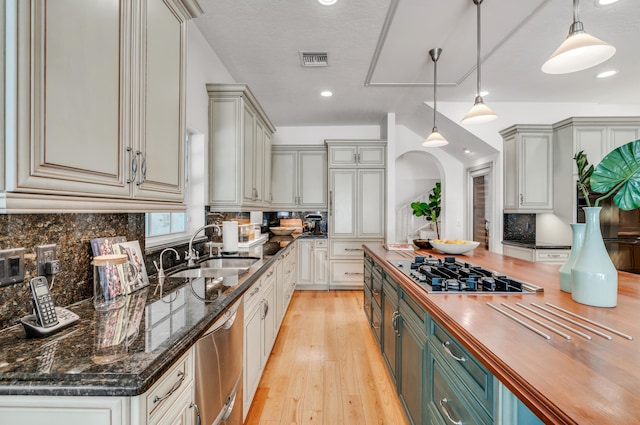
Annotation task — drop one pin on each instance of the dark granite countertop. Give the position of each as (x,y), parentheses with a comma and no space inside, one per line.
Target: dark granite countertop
(76,361)
(534,245)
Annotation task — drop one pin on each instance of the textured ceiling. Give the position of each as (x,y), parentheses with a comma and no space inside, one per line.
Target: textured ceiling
(379,63)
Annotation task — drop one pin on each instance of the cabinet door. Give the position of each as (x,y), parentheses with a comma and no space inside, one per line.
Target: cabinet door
(252,352)
(181,413)
(371,156)
(79,148)
(591,140)
(312,179)
(281,292)
(371,205)
(621,135)
(346,274)
(342,156)
(535,162)
(510,174)
(270,321)
(320,266)
(305,262)
(248,143)
(283,177)
(267,190)
(389,324)
(342,208)
(258,162)
(412,372)
(161,151)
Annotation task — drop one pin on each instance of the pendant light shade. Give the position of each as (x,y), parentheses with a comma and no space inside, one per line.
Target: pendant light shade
(479,113)
(579,51)
(435,139)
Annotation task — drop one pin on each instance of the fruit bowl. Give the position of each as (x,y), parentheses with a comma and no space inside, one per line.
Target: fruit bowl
(451,246)
(282,231)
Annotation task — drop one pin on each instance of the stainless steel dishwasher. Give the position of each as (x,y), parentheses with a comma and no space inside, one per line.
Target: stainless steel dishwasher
(218,375)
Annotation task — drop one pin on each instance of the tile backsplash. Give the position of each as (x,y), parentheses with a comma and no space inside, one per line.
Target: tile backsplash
(72,234)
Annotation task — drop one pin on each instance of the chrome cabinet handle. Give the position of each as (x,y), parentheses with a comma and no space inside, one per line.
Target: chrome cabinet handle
(353,274)
(266,308)
(376,292)
(195,406)
(445,410)
(375,325)
(394,321)
(445,346)
(354,249)
(143,168)
(254,291)
(158,399)
(134,166)
(521,199)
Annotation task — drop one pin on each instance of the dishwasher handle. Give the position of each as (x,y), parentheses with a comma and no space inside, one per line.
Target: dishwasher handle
(229,323)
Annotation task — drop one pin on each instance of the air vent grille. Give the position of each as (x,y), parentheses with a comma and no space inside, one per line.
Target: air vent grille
(313,58)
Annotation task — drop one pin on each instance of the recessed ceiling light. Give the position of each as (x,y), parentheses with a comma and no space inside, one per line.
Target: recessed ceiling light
(327,2)
(326,93)
(606,2)
(606,74)
(467,151)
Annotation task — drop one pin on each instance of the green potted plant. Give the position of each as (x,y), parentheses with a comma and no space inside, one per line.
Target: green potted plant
(594,279)
(430,210)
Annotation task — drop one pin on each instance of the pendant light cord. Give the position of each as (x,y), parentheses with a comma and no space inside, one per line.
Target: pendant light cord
(478,49)
(435,90)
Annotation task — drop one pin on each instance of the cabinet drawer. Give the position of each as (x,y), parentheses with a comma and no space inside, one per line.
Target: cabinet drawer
(321,243)
(448,402)
(376,284)
(168,389)
(252,297)
(347,249)
(347,273)
(552,255)
(472,374)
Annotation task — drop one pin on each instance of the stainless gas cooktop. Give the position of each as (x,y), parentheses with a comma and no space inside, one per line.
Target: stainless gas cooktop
(449,275)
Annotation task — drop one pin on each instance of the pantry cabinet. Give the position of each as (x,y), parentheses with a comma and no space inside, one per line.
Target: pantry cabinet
(239,149)
(528,168)
(299,178)
(101,123)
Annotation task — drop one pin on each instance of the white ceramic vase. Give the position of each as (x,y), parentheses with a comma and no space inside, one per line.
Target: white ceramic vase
(594,277)
(578,230)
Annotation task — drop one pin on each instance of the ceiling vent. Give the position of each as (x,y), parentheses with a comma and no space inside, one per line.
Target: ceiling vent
(313,58)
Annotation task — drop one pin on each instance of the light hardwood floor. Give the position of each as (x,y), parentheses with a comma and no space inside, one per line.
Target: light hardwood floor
(325,367)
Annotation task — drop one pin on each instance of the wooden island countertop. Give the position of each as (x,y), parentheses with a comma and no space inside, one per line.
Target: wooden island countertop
(576,381)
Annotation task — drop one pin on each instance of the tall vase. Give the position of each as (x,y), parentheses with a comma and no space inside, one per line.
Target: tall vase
(578,230)
(594,277)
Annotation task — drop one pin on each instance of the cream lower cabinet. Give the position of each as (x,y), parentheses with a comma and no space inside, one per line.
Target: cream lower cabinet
(169,401)
(312,260)
(239,149)
(103,116)
(260,330)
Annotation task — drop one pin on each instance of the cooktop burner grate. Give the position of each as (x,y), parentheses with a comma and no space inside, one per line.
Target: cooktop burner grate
(449,275)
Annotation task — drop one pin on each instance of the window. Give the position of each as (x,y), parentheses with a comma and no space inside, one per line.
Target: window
(168,227)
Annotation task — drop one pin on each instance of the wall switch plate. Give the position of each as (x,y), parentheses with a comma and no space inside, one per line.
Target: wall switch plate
(44,254)
(12,266)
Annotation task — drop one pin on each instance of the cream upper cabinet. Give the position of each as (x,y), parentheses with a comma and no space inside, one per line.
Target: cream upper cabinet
(346,153)
(528,168)
(596,136)
(299,177)
(239,149)
(101,124)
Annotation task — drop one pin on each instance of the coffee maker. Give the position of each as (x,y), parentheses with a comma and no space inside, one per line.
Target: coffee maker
(312,223)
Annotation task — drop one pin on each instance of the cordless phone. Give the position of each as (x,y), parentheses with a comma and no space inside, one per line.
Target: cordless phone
(47,318)
(42,302)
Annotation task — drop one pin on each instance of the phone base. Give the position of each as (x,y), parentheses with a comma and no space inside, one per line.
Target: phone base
(65,319)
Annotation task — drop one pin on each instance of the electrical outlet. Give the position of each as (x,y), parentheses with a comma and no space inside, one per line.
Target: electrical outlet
(44,254)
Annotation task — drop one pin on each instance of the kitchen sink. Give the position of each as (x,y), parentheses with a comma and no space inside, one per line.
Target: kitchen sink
(195,273)
(240,264)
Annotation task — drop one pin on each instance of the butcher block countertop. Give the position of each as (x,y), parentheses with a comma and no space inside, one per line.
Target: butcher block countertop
(576,381)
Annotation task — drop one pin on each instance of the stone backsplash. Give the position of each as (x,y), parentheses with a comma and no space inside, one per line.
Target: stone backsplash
(520,227)
(72,234)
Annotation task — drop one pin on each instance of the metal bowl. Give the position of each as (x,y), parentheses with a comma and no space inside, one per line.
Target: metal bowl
(282,231)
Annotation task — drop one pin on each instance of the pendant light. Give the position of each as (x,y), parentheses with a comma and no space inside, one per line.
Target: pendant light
(479,113)
(435,139)
(579,51)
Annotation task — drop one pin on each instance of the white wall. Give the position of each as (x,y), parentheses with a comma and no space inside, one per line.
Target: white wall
(316,135)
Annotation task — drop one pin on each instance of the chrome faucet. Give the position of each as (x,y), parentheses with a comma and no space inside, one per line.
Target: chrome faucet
(191,256)
(161,268)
